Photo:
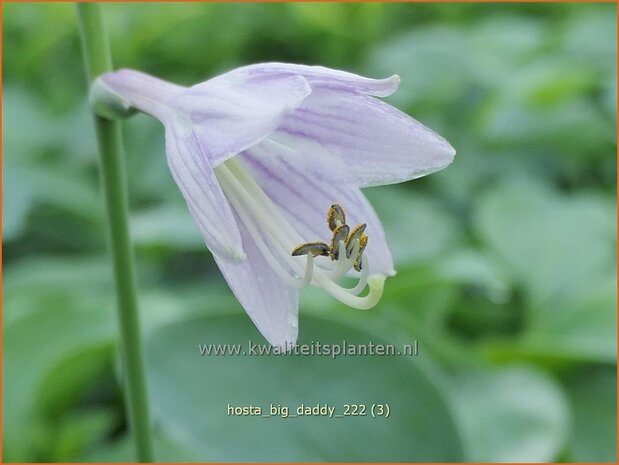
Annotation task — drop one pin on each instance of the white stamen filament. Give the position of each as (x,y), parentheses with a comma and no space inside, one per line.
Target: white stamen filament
(363,279)
(344,264)
(275,238)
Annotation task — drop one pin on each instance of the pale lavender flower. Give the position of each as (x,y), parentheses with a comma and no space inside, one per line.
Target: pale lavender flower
(262,153)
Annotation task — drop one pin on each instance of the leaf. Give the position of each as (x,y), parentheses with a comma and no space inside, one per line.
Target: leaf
(123,450)
(591,35)
(38,284)
(78,431)
(471,267)
(538,232)
(514,414)
(82,367)
(17,200)
(593,394)
(168,227)
(581,325)
(561,249)
(573,127)
(29,129)
(33,346)
(29,185)
(429,61)
(190,395)
(418,228)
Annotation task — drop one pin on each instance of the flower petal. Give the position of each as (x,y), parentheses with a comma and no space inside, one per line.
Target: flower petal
(377,142)
(230,114)
(319,76)
(206,201)
(147,93)
(271,305)
(304,183)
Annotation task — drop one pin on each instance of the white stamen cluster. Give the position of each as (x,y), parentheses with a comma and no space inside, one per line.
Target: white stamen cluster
(275,237)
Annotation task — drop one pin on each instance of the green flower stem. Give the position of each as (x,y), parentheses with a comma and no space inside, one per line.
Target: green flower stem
(98,60)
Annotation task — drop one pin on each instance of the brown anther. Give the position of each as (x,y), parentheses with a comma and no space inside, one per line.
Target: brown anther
(311,248)
(335,217)
(363,241)
(352,237)
(339,234)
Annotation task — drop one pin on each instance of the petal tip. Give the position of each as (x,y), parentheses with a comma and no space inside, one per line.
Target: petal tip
(285,344)
(444,152)
(450,152)
(388,86)
(235,255)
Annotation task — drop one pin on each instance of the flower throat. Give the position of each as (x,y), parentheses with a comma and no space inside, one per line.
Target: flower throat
(296,261)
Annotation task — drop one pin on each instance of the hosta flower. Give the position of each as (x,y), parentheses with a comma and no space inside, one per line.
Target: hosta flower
(270,159)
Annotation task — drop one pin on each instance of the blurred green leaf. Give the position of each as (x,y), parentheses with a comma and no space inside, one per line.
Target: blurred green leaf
(587,34)
(580,325)
(190,399)
(82,367)
(28,127)
(418,228)
(471,267)
(123,450)
(429,61)
(512,414)
(32,347)
(573,127)
(169,227)
(562,250)
(29,185)
(593,394)
(79,431)
(526,225)
(35,285)
(17,201)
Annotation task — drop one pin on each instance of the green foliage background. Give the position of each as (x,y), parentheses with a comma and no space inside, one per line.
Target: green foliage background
(506,260)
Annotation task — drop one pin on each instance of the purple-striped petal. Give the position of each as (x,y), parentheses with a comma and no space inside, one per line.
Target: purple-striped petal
(310,136)
(377,142)
(270,303)
(320,77)
(206,201)
(144,92)
(231,114)
(304,183)
(228,113)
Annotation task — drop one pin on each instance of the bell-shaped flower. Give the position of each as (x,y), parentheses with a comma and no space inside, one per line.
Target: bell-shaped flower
(270,159)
